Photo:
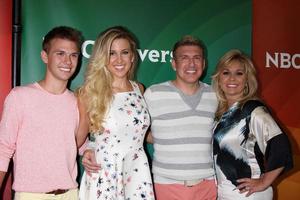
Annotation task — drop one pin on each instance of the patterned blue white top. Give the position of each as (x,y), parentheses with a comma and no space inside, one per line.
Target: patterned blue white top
(247,142)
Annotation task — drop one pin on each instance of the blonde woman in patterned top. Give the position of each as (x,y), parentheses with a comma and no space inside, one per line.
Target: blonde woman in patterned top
(250,150)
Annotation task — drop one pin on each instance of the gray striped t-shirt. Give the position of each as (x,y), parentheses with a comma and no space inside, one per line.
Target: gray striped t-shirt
(182,132)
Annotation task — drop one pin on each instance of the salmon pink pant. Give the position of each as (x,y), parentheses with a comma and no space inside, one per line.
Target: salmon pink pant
(205,190)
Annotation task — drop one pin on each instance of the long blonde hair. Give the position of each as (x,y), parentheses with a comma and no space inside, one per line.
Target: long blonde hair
(96,92)
(250,90)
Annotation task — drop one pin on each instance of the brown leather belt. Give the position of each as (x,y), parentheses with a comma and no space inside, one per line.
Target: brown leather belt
(57,192)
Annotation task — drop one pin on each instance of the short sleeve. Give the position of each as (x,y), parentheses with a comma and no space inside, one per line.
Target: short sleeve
(147,94)
(273,143)
(278,153)
(147,97)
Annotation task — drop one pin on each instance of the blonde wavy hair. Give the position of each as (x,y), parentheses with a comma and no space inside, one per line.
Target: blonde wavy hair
(250,90)
(96,92)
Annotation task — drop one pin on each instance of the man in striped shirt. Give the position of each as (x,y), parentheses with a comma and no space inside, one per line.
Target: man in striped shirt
(182,115)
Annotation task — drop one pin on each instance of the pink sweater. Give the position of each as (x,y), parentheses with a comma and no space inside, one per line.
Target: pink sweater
(38,129)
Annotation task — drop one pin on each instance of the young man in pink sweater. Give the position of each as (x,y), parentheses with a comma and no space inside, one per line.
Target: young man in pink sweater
(39,124)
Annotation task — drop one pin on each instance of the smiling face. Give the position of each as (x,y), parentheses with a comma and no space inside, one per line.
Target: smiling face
(233,81)
(188,64)
(120,59)
(61,60)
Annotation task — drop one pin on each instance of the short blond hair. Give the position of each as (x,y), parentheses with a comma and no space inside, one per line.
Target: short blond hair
(188,40)
(250,91)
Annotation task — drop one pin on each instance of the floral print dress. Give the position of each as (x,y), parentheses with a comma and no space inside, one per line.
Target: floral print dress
(125,173)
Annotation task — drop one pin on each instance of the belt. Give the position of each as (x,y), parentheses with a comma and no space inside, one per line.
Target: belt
(57,192)
(191,183)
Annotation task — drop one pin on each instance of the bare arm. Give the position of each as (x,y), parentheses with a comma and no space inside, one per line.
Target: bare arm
(141,87)
(149,137)
(256,185)
(2,175)
(83,128)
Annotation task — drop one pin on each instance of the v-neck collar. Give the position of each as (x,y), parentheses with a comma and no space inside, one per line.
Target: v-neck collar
(188,99)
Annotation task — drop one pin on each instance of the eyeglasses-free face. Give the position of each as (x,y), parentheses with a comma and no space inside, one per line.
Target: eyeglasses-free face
(120,59)
(188,64)
(233,81)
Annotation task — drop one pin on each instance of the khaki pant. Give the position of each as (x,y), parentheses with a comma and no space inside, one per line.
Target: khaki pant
(70,195)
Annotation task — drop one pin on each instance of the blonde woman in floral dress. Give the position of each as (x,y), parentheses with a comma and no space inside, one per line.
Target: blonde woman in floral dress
(113,110)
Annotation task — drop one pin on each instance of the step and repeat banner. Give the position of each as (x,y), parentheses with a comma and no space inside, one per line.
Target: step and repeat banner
(276,52)
(5,49)
(157,24)
(5,71)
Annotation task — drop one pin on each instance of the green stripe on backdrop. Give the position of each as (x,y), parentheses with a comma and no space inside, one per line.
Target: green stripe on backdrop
(221,24)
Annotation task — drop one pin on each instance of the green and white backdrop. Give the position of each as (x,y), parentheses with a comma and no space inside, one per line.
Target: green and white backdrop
(157,24)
